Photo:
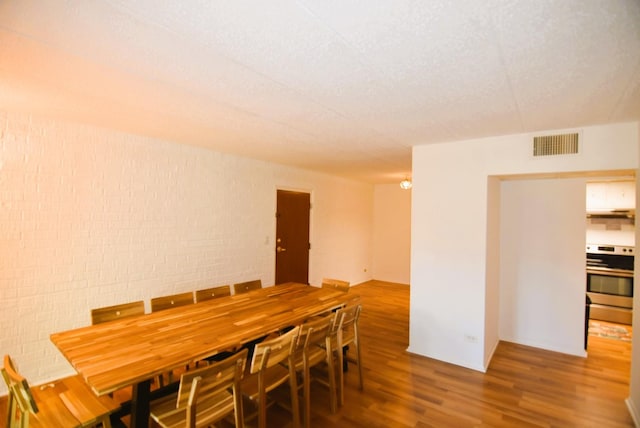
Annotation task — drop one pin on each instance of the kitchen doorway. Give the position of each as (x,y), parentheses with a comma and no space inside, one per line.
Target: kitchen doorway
(610,238)
(292,236)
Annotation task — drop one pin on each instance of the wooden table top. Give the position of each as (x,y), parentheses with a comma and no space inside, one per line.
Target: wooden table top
(120,353)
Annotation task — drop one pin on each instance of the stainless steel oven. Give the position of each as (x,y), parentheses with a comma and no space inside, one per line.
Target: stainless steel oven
(610,282)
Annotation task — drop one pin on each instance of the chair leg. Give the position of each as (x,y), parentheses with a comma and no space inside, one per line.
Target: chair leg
(295,405)
(238,410)
(340,376)
(359,362)
(345,364)
(262,410)
(160,380)
(106,421)
(307,396)
(333,396)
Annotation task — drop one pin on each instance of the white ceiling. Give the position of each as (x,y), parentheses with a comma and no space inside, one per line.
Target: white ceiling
(341,86)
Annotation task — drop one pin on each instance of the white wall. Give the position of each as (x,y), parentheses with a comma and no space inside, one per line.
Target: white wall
(492,281)
(634,388)
(391,233)
(542,247)
(450,262)
(91,218)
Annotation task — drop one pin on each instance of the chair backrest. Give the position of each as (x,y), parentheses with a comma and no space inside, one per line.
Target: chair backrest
(271,352)
(336,284)
(348,324)
(110,313)
(209,384)
(213,293)
(243,287)
(313,336)
(171,301)
(20,401)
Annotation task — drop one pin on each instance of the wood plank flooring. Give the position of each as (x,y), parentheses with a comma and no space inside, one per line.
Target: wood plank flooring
(524,387)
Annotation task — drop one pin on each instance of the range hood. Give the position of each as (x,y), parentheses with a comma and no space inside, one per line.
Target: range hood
(611,213)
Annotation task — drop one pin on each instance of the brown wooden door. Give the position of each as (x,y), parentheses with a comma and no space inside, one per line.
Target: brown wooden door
(292,237)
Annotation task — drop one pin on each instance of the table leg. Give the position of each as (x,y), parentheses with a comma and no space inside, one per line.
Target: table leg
(140,398)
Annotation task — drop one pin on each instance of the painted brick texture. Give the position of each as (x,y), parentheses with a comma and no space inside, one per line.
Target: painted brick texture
(91,217)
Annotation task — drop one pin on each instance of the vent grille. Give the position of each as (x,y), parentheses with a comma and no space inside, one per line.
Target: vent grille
(550,145)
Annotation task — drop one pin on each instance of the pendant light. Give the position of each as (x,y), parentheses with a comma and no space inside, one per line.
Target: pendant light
(406,184)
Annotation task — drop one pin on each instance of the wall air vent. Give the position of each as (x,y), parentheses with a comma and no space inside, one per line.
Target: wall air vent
(550,145)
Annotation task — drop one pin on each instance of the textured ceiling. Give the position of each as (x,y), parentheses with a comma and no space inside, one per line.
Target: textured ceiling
(340,86)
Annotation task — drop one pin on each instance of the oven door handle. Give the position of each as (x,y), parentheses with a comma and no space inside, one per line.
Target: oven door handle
(610,272)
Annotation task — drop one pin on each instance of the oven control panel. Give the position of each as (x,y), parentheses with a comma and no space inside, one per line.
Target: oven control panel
(610,249)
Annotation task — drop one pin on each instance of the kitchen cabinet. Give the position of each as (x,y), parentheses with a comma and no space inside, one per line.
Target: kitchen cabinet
(606,195)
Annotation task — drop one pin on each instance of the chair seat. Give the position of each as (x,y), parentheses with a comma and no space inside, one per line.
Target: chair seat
(52,412)
(209,411)
(87,412)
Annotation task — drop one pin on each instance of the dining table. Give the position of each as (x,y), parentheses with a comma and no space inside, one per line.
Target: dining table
(133,351)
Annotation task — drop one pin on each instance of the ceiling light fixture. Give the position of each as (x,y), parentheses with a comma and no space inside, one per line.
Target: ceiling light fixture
(406,184)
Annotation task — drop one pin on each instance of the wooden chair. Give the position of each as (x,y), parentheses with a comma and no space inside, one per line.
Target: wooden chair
(203,397)
(313,348)
(167,302)
(110,313)
(210,294)
(347,334)
(243,287)
(115,312)
(171,301)
(72,404)
(336,284)
(213,293)
(267,372)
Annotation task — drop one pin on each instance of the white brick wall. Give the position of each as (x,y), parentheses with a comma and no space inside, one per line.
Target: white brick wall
(91,217)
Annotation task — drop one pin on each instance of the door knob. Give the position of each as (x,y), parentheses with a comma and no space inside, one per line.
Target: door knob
(279,249)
